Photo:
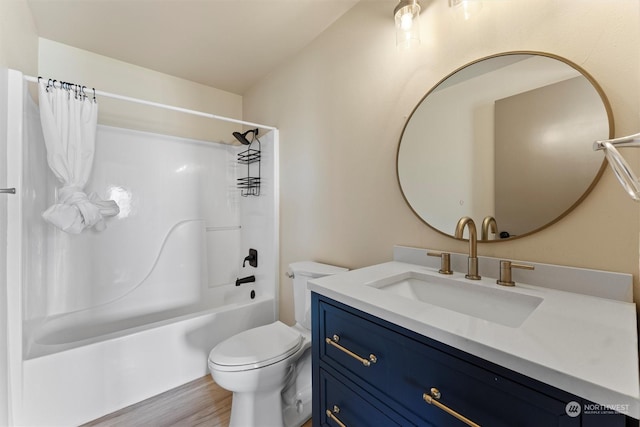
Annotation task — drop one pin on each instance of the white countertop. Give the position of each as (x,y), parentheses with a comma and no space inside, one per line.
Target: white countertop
(582,344)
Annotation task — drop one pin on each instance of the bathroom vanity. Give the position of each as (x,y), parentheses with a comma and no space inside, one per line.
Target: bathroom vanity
(407,343)
(399,344)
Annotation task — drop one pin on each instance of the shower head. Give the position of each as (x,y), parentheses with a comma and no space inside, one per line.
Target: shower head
(242,137)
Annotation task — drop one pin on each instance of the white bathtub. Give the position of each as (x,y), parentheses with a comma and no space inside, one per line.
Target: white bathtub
(99,321)
(96,376)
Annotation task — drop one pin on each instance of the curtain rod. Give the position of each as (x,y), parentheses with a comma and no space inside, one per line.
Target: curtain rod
(167,107)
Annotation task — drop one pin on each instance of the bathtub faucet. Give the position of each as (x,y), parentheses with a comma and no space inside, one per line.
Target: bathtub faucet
(247,279)
(252,258)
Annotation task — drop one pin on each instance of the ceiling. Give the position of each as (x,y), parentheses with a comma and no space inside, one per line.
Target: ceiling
(226,44)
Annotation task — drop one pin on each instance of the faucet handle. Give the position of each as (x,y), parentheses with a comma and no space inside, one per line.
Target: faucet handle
(445,261)
(505,272)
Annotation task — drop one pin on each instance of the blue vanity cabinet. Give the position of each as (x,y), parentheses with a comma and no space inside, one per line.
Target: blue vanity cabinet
(363,363)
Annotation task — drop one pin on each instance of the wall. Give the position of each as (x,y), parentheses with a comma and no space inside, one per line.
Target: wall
(63,62)
(18,50)
(18,38)
(341,104)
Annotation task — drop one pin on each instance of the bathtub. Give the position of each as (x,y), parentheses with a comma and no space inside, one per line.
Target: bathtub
(100,321)
(69,381)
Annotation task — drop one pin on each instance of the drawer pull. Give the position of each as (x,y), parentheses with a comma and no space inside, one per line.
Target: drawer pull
(366,362)
(432,399)
(331,415)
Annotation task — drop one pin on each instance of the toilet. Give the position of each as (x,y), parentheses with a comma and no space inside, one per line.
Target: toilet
(268,368)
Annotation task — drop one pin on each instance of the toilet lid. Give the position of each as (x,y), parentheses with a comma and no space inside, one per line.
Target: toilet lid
(257,347)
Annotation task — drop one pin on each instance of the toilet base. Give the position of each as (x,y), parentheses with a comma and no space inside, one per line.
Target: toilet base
(267,409)
(257,409)
(297,412)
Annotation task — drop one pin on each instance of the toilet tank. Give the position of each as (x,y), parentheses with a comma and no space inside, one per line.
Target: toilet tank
(302,272)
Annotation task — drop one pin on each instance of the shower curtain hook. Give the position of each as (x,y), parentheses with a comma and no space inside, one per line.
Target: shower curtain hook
(94,94)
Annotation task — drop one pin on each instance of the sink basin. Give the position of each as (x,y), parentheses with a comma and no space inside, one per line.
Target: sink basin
(505,307)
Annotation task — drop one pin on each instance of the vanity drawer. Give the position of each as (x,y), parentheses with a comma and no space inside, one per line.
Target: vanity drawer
(357,347)
(481,396)
(406,368)
(352,406)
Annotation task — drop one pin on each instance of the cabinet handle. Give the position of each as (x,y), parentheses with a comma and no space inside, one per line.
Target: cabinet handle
(431,399)
(331,415)
(366,362)
(8,190)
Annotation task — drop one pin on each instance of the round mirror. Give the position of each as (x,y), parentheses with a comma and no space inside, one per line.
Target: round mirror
(509,138)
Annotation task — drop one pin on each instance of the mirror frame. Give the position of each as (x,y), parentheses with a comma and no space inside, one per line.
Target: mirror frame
(596,178)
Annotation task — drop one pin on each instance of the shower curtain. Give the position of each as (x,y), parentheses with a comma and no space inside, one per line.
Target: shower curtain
(69,119)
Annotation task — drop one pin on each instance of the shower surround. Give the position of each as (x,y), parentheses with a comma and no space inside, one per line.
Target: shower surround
(101,320)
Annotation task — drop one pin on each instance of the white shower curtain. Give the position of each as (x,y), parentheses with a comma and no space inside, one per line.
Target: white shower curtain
(69,123)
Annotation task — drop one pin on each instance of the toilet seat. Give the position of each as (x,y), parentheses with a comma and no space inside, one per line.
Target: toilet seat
(255,348)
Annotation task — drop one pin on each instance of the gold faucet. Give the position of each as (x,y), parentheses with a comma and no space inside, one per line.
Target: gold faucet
(489,222)
(505,272)
(465,221)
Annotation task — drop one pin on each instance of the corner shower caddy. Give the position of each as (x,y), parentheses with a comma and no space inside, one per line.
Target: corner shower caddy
(249,185)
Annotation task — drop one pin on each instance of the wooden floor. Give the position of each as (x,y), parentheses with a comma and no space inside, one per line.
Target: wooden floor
(198,403)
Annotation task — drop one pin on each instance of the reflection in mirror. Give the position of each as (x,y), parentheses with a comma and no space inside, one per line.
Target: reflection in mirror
(509,138)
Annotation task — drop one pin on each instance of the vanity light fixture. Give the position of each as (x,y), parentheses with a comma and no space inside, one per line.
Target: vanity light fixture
(466,8)
(406,15)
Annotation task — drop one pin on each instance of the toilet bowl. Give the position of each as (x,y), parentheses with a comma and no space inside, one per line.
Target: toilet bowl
(268,368)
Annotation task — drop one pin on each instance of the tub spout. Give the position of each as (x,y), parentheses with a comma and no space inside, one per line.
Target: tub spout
(247,279)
